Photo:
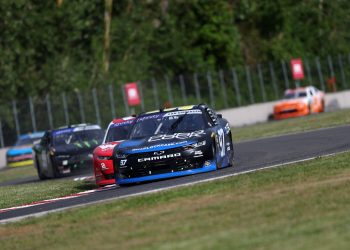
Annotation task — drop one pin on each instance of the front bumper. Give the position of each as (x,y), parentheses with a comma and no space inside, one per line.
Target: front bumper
(67,164)
(204,168)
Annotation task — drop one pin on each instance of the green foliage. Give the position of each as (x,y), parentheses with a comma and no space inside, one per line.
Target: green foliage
(45,48)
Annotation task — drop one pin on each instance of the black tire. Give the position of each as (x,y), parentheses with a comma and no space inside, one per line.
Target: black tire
(54,169)
(232,157)
(41,175)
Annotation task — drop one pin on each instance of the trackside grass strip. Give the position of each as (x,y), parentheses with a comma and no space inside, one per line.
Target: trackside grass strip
(293,125)
(302,206)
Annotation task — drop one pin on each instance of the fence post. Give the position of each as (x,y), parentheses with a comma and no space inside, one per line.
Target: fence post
(139,84)
(32,113)
(261,81)
(65,107)
(111,100)
(273,78)
(236,86)
(211,94)
(81,106)
(223,87)
(342,72)
(183,89)
(1,135)
(319,71)
(285,74)
(196,84)
(155,93)
(49,111)
(15,116)
(126,106)
(97,110)
(168,88)
(308,71)
(250,87)
(330,65)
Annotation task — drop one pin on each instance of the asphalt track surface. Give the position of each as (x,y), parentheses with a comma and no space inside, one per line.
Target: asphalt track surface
(249,155)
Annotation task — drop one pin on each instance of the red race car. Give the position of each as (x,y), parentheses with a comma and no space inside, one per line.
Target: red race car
(117,131)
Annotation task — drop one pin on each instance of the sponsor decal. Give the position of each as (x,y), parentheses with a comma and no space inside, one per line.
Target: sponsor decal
(103,166)
(159,152)
(163,145)
(155,116)
(159,157)
(198,133)
(227,128)
(177,113)
(105,147)
(120,124)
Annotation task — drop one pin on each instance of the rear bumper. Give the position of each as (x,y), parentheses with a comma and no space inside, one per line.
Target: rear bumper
(203,169)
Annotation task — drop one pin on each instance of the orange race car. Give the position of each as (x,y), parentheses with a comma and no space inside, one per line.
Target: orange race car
(299,102)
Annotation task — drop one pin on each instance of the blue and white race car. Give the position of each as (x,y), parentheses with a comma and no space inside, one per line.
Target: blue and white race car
(174,142)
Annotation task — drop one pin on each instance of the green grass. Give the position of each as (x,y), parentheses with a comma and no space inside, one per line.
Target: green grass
(27,193)
(303,206)
(293,125)
(15,173)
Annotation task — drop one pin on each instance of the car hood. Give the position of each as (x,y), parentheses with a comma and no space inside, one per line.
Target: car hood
(27,149)
(106,149)
(161,142)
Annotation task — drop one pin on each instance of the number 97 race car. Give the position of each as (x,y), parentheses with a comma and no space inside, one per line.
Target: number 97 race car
(174,142)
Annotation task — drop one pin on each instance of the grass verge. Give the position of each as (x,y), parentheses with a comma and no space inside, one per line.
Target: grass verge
(15,173)
(301,124)
(26,193)
(303,206)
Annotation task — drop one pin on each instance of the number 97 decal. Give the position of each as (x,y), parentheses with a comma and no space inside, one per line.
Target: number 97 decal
(221,142)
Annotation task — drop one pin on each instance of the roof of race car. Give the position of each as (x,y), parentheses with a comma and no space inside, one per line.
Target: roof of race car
(75,128)
(298,89)
(124,119)
(180,108)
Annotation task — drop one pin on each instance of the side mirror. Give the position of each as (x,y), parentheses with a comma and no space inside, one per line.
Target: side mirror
(219,115)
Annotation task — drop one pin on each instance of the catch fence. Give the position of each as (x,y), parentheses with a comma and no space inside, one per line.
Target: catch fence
(222,89)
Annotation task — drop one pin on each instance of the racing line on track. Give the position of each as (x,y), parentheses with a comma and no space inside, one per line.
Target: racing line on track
(250,156)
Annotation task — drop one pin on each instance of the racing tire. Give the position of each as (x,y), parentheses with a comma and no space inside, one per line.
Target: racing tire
(54,170)
(214,150)
(41,175)
(232,155)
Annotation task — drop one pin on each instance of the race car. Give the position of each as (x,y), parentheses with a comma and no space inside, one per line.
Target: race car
(66,149)
(117,131)
(174,142)
(300,102)
(21,153)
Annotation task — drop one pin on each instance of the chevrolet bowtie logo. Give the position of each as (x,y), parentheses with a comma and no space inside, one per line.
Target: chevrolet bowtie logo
(158,152)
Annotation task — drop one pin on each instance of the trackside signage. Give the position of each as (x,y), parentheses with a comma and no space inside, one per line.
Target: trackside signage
(132,94)
(297,69)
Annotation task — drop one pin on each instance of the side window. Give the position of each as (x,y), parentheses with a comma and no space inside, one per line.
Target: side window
(213,116)
(45,140)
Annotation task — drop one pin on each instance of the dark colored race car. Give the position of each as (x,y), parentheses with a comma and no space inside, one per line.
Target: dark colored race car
(117,131)
(174,142)
(63,150)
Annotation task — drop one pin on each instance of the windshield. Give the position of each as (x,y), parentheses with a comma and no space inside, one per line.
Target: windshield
(118,132)
(169,123)
(69,136)
(294,95)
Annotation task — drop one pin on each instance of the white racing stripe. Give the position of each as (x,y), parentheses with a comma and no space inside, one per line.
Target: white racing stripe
(39,214)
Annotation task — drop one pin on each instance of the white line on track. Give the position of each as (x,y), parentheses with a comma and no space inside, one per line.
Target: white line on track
(39,214)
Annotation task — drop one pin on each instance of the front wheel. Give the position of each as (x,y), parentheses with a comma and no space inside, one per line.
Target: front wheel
(41,175)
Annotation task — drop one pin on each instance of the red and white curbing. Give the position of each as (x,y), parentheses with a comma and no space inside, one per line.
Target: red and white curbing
(36,203)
